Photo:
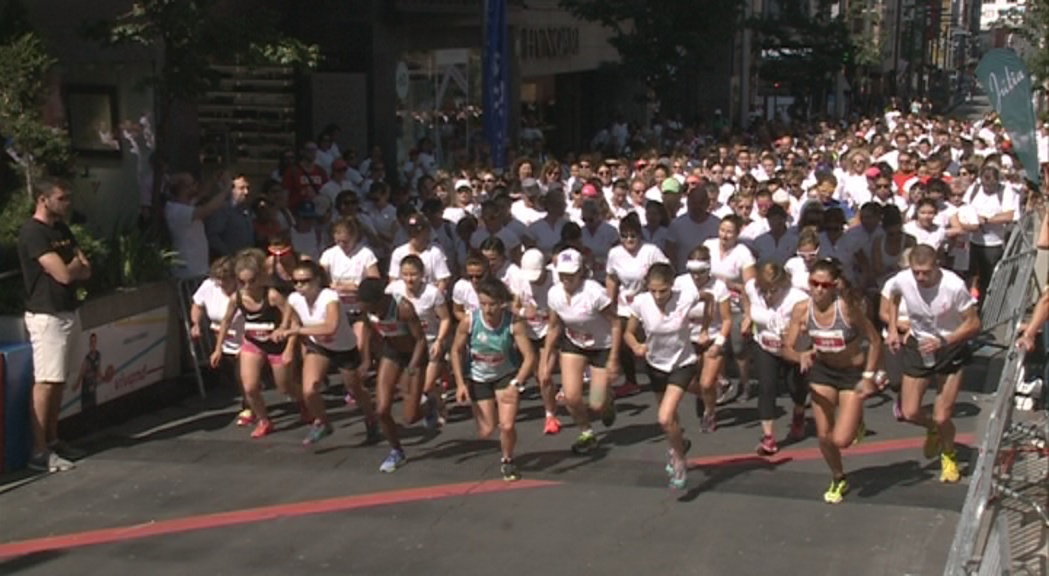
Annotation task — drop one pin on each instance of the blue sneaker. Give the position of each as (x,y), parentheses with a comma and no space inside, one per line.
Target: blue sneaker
(394,460)
(317,433)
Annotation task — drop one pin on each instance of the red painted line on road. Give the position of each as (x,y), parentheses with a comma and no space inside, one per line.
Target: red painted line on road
(806,454)
(253,515)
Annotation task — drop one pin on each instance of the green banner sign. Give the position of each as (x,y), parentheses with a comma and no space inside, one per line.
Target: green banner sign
(1008,85)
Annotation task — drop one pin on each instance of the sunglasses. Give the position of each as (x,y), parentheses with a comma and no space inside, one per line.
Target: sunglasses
(824,285)
(629,236)
(301,281)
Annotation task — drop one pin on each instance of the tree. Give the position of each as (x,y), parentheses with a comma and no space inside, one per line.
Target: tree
(192,36)
(660,43)
(806,51)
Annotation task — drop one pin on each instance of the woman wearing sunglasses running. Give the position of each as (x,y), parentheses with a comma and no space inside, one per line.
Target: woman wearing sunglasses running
(839,368)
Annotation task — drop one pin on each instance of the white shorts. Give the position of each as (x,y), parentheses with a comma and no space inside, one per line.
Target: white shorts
(52,337)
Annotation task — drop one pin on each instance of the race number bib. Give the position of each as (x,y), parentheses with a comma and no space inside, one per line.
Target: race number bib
(770,341)
(828,341)
(584,339)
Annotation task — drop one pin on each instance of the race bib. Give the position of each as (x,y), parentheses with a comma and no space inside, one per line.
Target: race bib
(258,331)
(581,338)
(770,341)
(350,302)
(829,341)
(491,359)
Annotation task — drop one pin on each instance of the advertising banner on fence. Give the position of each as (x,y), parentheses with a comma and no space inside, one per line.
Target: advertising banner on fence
(115,359)
(1004,77)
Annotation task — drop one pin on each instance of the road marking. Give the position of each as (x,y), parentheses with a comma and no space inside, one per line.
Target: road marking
(807,454)
(260,514)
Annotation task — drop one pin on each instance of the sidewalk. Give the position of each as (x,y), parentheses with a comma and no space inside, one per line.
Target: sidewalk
(183,491)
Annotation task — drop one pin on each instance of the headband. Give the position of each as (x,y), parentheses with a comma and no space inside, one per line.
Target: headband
(698,266)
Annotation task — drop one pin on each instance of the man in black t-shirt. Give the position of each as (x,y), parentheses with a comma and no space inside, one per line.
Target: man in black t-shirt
(52,264)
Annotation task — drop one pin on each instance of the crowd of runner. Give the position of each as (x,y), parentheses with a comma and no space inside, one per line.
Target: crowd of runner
(829,263)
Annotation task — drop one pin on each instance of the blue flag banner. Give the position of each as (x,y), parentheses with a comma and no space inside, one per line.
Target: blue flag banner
(496,81)
(1008,85)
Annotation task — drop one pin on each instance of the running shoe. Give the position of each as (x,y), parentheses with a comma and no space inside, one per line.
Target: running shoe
(317,433)
(708,423)
(679,475)
(245,418)
(861,433)
(552,426)
(627,389)
(670,456)
(394,460)
(836,493)
(897,410)
(585,443)
(373,434)
(262,428)
(49,462)
(932,441)
(509,470)
(767,446)
(350,401)
(432,412)
(949,468)
(66,451)
(608,415)
(797,427)
(727,391)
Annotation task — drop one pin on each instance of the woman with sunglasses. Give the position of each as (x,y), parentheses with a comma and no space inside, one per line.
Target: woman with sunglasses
(462,203)
(265,310)
(840,369)
(432,311)
(500,357)
(281,258)
(346,264)
(710,331)
(404,361)
(584,327)
(464,292)
(328,341)
(671,361)
(626,272)
(768,302)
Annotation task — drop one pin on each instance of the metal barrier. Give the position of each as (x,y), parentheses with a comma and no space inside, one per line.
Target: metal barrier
(199,348)
(981,542)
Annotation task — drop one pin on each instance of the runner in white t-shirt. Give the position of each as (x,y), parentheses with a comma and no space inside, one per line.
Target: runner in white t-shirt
(733,263)
(626,269)
(433,313)
(432,256)
(943,318)
(328,340)
(924,227)
(714,311)
(210,303)
(347,263)
(531,303)
(583,325)
(464,292)
(663,314)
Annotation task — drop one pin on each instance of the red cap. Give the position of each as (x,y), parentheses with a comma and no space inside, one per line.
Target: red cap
(589,191)
(873,172)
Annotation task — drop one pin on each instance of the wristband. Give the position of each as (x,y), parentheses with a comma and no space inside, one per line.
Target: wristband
(868,375)
(719,340)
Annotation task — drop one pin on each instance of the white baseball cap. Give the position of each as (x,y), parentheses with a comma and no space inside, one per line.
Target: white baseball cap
(569,262)
(463,183)
(532,264)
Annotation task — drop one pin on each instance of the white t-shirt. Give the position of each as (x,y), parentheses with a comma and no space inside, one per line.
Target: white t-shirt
(343,339)
(426,305)
(464,294)
(934,238)
(988,205)
(799,273)
(600,242)
(434,263)
(584,324)
(716,288)
(666,333)
(958,246)
(768,249)
(730,265)
(454,214)
(189,240)
(536,296)
(525,214)
(687,234)
(509,275)
(931,311)
(630,270)
(545,235)
(348,268)
(215,303)
(771,321)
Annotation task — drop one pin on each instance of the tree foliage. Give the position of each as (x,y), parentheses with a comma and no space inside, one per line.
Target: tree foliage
(661,42)
(1030,23)
(803,49)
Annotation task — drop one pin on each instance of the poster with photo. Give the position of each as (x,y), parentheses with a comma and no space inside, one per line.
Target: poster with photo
(115,359)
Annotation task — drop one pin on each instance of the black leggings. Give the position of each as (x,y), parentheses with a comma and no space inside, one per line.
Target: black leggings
(982,261)
(628,366)
(771,370)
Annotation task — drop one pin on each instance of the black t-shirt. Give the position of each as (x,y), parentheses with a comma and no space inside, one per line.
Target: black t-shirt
(44,295)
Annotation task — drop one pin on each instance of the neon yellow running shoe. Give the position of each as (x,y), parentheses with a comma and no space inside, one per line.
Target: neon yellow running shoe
(949,468)
(836,493)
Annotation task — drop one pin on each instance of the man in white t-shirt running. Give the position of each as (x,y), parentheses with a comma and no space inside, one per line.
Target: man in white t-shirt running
(943,318)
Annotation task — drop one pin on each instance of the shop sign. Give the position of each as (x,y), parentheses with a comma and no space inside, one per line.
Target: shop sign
(547,43)
(115,359)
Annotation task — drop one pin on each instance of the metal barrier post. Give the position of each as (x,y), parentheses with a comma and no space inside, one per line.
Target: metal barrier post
(186,288)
